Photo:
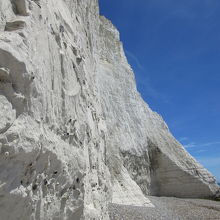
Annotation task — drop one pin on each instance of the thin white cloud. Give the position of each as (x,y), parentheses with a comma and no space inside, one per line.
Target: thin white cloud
(190,145)
(183,139)
(136,60)
(208,144)
(150,90)
(201,151)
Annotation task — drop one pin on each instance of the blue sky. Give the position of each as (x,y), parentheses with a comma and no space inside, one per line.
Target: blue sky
(174,49)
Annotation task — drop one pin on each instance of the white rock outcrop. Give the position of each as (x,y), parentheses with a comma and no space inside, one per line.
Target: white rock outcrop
(74,132)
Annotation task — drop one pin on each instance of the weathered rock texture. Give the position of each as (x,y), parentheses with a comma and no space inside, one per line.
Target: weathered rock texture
(74,132)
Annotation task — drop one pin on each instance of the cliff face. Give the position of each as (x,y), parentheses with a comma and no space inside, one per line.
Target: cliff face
(139,142)
(74,132)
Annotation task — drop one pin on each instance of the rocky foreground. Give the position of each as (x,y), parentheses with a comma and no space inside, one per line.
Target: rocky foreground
(168,209)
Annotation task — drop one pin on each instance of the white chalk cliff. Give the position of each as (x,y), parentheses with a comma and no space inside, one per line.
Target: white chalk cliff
(75,134)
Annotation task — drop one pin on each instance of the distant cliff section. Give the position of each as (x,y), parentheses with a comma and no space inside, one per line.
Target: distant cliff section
(75,134)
